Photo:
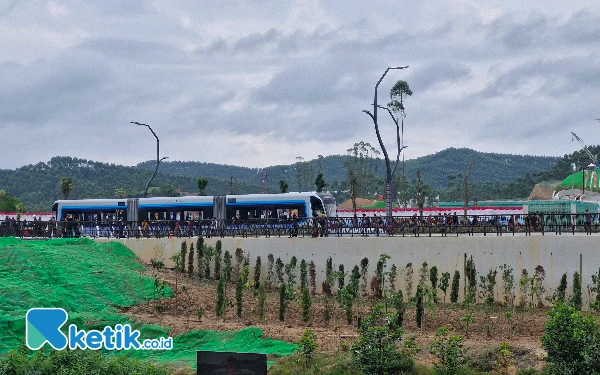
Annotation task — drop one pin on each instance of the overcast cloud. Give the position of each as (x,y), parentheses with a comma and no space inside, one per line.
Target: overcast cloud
(259,82)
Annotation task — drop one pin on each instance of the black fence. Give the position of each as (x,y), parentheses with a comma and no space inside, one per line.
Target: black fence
(555,224)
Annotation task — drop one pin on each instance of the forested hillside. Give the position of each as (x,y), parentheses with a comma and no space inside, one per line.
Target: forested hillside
(37,186)
(435,168)
(493,176)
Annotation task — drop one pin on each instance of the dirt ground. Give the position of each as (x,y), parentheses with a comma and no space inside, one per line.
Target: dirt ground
(489,330)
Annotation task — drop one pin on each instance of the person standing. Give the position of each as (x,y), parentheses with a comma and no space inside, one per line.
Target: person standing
(588,222)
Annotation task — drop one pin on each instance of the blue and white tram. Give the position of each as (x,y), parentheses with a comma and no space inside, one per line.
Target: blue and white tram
(221,207)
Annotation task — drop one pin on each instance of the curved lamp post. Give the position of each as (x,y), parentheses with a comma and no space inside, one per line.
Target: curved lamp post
(158,159)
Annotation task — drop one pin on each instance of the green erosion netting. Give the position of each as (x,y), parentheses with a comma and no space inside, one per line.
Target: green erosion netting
(90,280)
(592,181)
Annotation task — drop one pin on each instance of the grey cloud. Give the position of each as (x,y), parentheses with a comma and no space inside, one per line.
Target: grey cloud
(49,89)
(142,52)
(561,77)
(428,76)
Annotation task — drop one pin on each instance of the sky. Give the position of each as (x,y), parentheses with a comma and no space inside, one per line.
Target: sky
(260,82)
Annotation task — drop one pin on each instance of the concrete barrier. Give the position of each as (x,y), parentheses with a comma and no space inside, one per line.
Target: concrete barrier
(556,254)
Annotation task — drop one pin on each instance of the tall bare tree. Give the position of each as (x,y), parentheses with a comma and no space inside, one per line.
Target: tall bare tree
(400,90)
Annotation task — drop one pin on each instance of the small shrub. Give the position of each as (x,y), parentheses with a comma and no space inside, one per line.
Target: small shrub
(303,274)
(326,288)
(504,358)
(183,255)
(341,277)
(423,274)
(307,346)
(218,253)
(467,319)
(528,371)
(508,281)
(408,280)
(74,362)
(576,298)
(364,266)
(285,295)
(355,281)
(290,271)
(246,269)
(455,286)
(538,284)
(209,252)
(433,277)
(306,303)
(449,351)
(420,310)
(561,291)
(313,277)
(329,270)
(239,260)
(375,289)
(594,304)
(471,271)
(239,293)
(382,358)
(444,283)
(487,285)
(220,305)
(200,251)
(191,260)
(257,271)
(279,271)
(508,315)
(572,341)
(228,268)
(262,296)
(270,274)
(157,264)
(410,346)
(524,288)
(397,301)
(346,301)
(392,277)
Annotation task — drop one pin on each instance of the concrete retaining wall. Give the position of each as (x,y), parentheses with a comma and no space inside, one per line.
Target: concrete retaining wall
(556,254)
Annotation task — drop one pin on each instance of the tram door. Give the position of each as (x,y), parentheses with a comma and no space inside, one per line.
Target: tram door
(219,207)
(132,209)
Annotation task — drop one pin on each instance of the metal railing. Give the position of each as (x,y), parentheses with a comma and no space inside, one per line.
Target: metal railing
(541,224)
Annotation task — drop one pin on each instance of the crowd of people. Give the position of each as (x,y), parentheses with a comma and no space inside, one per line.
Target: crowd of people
(317,226)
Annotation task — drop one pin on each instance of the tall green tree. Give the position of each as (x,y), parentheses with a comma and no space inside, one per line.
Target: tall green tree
(283,186)
(202,182)
(66,186)
(9,203)
(320,183)
(120,193)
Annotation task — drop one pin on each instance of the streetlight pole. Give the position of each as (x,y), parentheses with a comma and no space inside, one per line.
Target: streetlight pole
(158,159)
(388,185)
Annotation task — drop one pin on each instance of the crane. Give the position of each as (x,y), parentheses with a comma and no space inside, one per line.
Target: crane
(587,151)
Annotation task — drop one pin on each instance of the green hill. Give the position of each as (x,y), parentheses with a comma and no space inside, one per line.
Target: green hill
(37,185)
(435,168)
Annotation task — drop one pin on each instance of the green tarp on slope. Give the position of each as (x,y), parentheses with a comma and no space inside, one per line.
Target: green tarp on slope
(90,280)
